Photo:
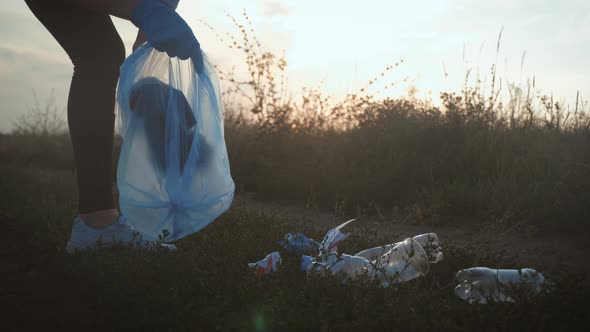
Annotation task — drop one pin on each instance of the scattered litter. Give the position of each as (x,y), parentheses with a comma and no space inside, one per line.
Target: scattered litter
(299,244)
(405,261)
(333,238)
(267,265)
(306,261)
(399,262)
(351,266)
(428,241)
(482,284)
(328,257)
(388,264)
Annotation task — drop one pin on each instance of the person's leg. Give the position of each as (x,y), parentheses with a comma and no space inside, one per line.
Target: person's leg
(96,51)
(119,8)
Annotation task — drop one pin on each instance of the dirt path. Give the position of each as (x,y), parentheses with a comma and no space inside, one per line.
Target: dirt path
(543,252)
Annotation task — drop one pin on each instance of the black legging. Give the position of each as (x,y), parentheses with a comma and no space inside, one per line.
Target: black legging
(96,51)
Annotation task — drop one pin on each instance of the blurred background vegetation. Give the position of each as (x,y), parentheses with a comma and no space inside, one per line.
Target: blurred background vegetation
(494,151)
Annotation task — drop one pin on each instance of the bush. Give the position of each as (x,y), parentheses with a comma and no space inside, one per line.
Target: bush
(46,120)
(473,156)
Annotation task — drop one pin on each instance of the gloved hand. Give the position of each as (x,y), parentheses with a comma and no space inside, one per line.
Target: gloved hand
(167,32)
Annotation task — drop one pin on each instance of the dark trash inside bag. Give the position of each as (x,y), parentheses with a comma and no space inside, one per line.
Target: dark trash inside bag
(149,100)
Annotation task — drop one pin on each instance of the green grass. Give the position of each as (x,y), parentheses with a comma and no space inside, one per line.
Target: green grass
(206,286)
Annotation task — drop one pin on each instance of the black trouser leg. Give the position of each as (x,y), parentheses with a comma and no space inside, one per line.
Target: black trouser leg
(96,51)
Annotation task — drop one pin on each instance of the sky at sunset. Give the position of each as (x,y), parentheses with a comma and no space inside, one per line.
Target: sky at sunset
(343,44)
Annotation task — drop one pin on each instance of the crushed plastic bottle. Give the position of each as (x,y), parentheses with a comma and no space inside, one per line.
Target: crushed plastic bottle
(350,266)
(299,244)
(267,265)
(428,241)
(482,284)
(405,261)
(389,264)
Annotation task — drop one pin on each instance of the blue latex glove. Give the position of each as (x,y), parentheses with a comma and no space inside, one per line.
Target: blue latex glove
(167,32)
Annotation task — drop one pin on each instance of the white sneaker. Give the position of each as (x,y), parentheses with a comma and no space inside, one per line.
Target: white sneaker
(119,233)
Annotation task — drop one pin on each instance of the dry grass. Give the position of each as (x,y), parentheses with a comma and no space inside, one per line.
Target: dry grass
(206,285)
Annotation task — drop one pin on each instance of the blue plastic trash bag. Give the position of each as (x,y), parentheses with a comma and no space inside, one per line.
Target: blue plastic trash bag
(173,172)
